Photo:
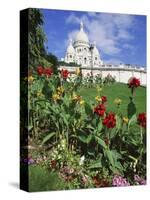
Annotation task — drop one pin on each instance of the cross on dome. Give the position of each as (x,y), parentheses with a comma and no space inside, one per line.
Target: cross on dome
(81,26)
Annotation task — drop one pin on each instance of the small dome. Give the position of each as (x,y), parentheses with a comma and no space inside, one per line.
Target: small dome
(95,50)
(81,35)
(70,48)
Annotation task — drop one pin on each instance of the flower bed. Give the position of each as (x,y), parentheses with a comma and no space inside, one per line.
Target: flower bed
(87,145)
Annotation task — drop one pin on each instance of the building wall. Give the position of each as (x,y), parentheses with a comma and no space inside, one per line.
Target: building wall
(121,74)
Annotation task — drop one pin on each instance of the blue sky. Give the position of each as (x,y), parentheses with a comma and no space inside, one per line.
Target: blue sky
(120,38)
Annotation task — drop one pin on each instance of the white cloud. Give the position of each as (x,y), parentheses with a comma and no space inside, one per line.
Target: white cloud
(72,34)
(124,21)
(124,34)
(73,19)
(108,30)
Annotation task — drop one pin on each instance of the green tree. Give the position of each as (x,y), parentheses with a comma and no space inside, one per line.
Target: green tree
(36,39)
(53,60)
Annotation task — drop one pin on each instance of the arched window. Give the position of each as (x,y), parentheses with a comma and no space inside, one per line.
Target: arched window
(80,61)
(85,60)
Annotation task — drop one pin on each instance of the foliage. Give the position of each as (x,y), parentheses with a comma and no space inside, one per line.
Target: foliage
(38,54)
(53,60)
(36,38)
(83,141)
(109,79)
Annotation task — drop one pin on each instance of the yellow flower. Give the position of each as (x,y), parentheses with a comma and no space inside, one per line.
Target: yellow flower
(125,120)
(82,102)
(39,94)
(60,90)
(30,79)
(56,97)
(117,101)
(99,89)
(77,71)
(75,97)
(97,98)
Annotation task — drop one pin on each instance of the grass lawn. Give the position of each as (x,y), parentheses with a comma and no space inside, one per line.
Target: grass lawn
(41,179)
(117,90)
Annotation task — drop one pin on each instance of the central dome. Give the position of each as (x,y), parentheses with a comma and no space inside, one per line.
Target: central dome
(81,35)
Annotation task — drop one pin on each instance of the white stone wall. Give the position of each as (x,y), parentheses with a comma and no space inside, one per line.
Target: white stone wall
(122,74)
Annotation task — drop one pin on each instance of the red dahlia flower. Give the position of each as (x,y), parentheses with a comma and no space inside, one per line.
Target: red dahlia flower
(64,73)
(104,99)
(109,121)
(40,70)
(100,110)
(134,83)
(53,163)
(142,119)
(48,72)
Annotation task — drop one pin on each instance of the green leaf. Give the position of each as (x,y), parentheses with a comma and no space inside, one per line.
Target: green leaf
(96,164)
(91,152)
(119,166)
(100,126)
(48,137)
(94,122)
(90,127)
(88,109)
(85,138)
(131,108)
(132,121)
(65,120)
(113,133)
(110,157)
(114,170)
(118,122)
(116,155)
(100,142)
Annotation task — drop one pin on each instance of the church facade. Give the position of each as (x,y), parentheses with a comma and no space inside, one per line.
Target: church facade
(82,52)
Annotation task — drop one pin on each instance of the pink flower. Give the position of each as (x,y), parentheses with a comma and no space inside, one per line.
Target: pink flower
(119,181)
(139,180)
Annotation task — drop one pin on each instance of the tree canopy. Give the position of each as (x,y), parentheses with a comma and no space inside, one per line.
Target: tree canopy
(38,54)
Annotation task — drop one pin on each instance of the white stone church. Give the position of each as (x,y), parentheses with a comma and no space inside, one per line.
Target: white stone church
(83,53)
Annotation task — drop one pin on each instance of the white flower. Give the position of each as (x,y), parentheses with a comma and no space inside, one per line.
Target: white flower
(82,160)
